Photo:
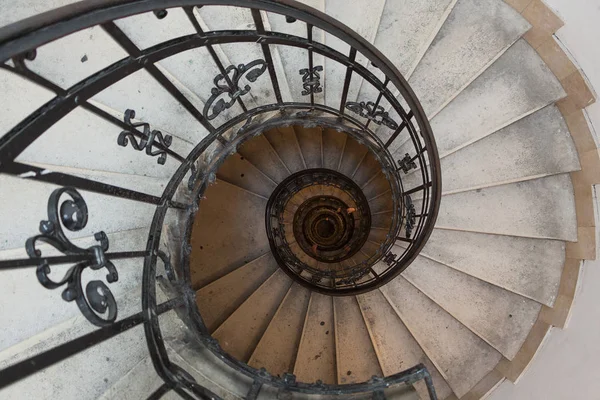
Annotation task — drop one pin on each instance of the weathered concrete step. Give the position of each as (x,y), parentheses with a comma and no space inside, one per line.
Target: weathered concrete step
(104,360)
(316,359)
(261,154)
(286,145)
(537,145)
(219,299)
(460,356)
(516,85)
(362,16)
(355,355)
(541,208)
(29,200)
(277,349)
(529,267)
(237,235)
(311,145)
(240,172)
(501,318)
(396,349)
(475,33)
(333,148)
(35,309)
(215,18)
(241,332)
(294,59)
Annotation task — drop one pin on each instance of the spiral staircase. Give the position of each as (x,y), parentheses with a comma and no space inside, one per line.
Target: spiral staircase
(366,199)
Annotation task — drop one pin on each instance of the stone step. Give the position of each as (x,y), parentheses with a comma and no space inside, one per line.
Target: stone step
(293,59)
(475,33)
(396,349)
(516,85)
(542,208)
(412,24)
(105,213)
(368,168)
(104,360)
(333,148)
(219,299)
(529,267)
(362,16)
(277,349)
(501,318)
(259,152)
(460,356)
(311,145)
(237,235)
(316,359)
(215,18)
(535,146)
(354,154)
(36,309)
(254,315)
(286,145)
(240,172)
(351,335)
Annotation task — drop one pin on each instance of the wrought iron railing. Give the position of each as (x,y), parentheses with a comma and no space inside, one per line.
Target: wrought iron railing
(227,119)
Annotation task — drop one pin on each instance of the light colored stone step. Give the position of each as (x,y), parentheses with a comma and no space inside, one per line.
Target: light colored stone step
(259,152)
(277,349)
(29,200)
(311,145)
(35,309)
(367,169)
(294,59)
(460,356)
(475,33)
(396,349)
(363,16)
(405,32)
(333,148)
(529,267)
(354,153)
(237,235)
(501,318)
(356,358)
(537,145)
(286,145)
(219,299)
(240,172)
(241,332)
(215,18)
(316,353)
(103,360)
(540,208)
(516,85)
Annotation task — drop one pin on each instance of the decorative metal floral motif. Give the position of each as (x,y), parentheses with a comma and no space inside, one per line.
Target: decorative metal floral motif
(230,85)
(311,80)
(375,114)
(146,142)
(407,163)
(97,298)
(389,259)
(410,216)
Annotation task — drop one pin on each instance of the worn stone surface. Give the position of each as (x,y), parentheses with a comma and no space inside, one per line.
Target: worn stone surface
(529,267)
(474,34)
(459,355)
(540,208)
(501,318)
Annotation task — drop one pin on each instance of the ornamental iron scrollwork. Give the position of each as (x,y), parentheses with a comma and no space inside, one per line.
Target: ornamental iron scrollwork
(410,216)
(407,163)
(311,80)
(230,85)
(147,140)
(372,113)
(97,298)
(389,259)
